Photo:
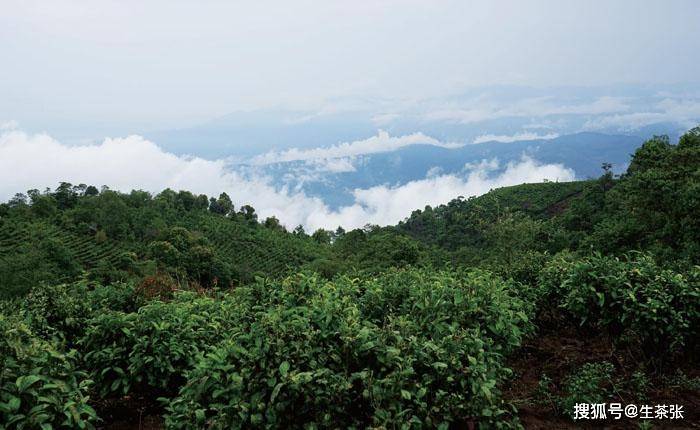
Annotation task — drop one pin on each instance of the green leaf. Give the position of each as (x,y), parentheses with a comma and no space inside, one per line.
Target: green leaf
(199,415)
(24,382)
(14,403)
(284,368)
(275,392)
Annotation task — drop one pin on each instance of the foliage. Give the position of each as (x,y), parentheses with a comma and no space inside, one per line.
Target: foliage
(658,306)
(156,344)
(62,311)
(592,383)
(410,347)
(40,386)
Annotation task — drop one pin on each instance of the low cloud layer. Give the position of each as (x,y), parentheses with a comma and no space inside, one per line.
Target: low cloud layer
(37,161)
(514,137)
(382,142)
(484,109)
(682,110)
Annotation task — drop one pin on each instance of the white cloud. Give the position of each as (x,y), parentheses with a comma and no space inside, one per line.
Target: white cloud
(433,172)
(483,165)
(387,205)
(384,118)
(681,109)
(8,125)
(513,138)
(382,142)
(37,161)
(483,109)
(334,165)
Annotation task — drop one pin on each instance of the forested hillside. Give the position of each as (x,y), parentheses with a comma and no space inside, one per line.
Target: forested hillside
(175,310)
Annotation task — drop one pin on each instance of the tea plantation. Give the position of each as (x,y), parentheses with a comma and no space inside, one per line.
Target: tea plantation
(180,311)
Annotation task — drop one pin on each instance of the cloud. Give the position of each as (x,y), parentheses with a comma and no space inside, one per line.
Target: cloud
(36,161)
(384,118)
(483,109)
(679,109)
(384,205)
(382,142)
(8,125)
(433,172)
(333,165)
(513,138)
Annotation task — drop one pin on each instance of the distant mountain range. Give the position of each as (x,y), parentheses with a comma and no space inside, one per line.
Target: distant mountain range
(584,153)
(503,113)
(355,144)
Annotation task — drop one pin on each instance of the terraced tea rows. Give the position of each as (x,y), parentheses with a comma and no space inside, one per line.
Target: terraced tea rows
(255,248)
(83,248)
(12,236)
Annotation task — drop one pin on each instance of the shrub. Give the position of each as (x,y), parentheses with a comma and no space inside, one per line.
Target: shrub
(58,311)
(39,386)
(409,347)
(636,297)
(551,277)
(155,345)
(62,311)
(592,383)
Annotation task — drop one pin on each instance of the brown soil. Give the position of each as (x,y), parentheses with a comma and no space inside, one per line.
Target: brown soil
(130,413)
(559,350)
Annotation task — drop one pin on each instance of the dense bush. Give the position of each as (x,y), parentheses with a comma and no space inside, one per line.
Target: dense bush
(633,296)
(40,386)
(62,311)
(408,347)
(155,345)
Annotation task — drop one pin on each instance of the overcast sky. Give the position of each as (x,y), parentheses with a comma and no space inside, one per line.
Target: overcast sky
(165,63)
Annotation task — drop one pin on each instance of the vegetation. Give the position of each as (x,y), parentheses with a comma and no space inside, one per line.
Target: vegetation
(470,314)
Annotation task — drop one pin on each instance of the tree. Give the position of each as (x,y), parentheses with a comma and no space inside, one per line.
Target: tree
(19,199)
(273,223)
(43,205)
(248,213)
(91,190)
(202,202)
(222,206)
(225,204)
(321,236)
(65,196)
(299,231)
(214,206)
(186,200)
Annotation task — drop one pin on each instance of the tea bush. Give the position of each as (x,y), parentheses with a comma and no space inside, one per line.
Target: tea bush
(40,386)
(57,311)
(634,296)
(156,344)
(592,383)
(408,347)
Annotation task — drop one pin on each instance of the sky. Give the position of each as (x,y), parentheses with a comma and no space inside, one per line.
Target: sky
(103,92)
(171,63)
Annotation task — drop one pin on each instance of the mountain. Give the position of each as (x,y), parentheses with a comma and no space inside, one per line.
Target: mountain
(506,113)
(582,152)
